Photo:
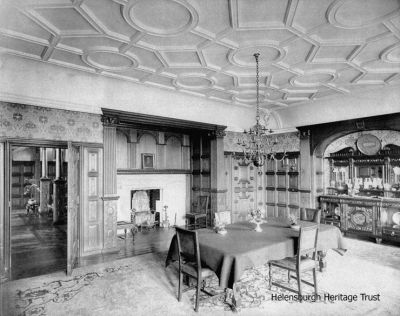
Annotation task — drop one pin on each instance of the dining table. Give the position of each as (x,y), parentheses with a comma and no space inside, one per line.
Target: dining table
(242,247)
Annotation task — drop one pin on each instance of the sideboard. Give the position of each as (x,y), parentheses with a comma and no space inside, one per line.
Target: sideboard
(363,216)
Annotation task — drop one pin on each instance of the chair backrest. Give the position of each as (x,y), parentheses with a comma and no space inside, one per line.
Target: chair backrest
(308,239)
(222,218)
(202,204)
(188,247)
(310,214)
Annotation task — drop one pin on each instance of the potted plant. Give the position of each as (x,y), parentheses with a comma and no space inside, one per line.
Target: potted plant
(256,218)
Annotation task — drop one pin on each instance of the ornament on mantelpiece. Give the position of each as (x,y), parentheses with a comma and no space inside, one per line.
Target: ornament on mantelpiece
(165,222)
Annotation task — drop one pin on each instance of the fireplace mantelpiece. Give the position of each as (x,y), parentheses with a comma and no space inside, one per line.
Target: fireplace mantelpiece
(174,192)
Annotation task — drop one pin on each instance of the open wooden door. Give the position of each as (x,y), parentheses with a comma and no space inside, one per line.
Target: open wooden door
(73,206)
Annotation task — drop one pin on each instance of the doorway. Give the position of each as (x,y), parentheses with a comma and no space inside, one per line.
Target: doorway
(38,213)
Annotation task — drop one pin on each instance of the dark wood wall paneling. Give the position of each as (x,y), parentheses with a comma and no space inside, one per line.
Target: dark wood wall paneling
(321,135)
(273,187)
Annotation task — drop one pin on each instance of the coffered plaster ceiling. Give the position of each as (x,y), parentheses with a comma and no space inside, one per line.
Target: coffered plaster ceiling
(310,49)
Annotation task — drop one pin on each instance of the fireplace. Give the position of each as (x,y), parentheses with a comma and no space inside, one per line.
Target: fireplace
(145,199)
(172,190)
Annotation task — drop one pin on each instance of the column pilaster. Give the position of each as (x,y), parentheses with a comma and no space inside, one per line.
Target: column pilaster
(306,168)
(161,151)
(110,198)
(44,184)
(218,185)
(58,189)
(132,144)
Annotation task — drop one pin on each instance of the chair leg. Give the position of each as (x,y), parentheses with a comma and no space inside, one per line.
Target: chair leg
(299,284)
(270,276)
(315,281)
(198,295)
(180,285)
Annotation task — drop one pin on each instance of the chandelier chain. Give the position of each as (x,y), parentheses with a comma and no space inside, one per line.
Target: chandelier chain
(257,146)
(256,55)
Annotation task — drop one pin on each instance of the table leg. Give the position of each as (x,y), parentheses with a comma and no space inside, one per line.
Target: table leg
(322,261)
(236,297)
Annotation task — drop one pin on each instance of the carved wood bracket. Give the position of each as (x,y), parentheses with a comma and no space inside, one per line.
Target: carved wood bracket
(109,120)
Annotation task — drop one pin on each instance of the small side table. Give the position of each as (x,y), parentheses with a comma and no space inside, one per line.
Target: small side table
(127,225)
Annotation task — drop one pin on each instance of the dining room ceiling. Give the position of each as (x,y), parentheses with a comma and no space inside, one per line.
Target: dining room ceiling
(310,49)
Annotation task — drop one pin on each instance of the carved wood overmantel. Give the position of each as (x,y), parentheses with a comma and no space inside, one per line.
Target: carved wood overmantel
(206,138)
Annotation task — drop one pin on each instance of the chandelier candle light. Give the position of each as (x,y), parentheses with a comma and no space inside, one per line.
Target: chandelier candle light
(256,146)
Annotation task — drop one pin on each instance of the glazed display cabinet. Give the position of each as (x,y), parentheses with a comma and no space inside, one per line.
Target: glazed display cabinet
(363,192)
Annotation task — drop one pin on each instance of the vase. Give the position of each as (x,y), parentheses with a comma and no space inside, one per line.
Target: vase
(258,227)
(295,226)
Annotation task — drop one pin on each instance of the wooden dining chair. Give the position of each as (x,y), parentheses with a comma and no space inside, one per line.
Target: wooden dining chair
(189,264)
(305,260)
(310,214)
(198,217)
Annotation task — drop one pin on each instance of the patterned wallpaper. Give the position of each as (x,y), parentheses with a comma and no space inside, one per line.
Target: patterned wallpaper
(386,137)
(284,142)
(27,121)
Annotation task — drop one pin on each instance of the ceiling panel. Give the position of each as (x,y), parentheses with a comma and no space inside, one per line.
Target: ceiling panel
(309,49)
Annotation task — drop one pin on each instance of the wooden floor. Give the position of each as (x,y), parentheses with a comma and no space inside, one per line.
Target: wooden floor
(38,247)
(147,241)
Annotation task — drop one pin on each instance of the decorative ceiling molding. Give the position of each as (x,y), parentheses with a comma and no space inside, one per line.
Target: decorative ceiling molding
(309,49)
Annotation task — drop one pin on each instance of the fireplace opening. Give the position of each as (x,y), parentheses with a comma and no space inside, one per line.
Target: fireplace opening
(144,200)
(145,206)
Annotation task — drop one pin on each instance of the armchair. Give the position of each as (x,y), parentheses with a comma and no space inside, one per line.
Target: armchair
(144,219)
(310,214)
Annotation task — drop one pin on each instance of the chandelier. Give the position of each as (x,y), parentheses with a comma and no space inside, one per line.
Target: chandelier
(255,144)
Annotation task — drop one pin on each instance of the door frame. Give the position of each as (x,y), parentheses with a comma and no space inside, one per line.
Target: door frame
(74,251)
(5,274)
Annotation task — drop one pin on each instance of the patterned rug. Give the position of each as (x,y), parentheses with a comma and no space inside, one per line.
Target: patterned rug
(142,285)
(253,288)
(33,301)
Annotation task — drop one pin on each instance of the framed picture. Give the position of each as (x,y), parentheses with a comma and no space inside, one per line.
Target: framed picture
(147,161)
